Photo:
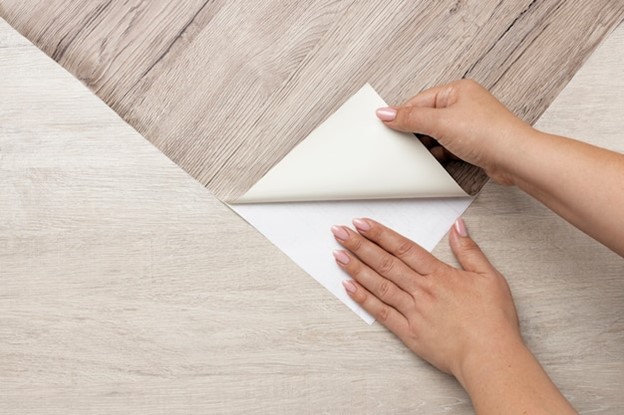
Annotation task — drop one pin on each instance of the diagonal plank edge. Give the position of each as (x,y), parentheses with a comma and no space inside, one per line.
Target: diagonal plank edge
(226,89)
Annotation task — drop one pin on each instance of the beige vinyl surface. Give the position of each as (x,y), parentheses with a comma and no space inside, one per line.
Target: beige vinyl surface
(125,287)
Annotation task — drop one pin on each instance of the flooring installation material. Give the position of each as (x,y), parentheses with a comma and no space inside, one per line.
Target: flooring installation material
(316,186)
(227,88)
(125,287)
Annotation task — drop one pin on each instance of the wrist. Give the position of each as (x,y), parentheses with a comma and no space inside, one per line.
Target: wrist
(503,376)
(492,355)
(520,148)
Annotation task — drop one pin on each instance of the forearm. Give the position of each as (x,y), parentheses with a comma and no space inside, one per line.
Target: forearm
(582,183)
(507,379)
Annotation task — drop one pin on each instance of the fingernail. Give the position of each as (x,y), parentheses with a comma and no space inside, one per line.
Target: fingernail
(341,257)
(460,227)
(361,225)
(349,286)
(386,114)
(340,232)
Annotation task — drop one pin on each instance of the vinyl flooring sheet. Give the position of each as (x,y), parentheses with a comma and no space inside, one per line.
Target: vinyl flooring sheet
(227,88)
(125,287)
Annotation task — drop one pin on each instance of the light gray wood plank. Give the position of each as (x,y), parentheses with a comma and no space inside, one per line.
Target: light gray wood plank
(111,45)
(226,89)
(125,287)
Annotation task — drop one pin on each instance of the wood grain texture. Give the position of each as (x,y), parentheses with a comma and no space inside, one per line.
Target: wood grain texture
(125,287)
(226,89)
(569,289)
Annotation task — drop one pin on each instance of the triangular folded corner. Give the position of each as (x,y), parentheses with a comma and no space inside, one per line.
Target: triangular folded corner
(354,156)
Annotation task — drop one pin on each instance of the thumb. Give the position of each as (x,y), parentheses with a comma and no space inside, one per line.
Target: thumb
(411,119)
(467,252)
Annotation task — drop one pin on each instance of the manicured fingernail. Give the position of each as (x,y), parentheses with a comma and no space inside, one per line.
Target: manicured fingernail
(340,232)
(361,225)
(341,257)
(460,227)
(349,286)
(386,114)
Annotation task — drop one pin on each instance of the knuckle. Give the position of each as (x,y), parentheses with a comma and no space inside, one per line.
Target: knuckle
(375,232)
(355,269)
(468,83)
(404,248)
(383,314)
(355,243)
(472,248)
(360,297)
(386,265)
(383,289)
(413,117)
(426,285)
(403,119)
(495,278)
(437,271)
(415,330)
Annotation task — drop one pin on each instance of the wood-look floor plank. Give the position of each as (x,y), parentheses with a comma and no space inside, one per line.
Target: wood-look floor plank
(111,46)
(125,287)
(420,45)
(225,89)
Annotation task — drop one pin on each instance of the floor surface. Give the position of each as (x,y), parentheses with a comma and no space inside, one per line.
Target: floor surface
(128,288)
(226,88)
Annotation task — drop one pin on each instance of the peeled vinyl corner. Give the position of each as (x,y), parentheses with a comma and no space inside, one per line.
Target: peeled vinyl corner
(354,156)
(333,176)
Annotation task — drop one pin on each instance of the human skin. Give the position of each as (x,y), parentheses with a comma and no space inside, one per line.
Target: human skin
(463,320)
(580,182)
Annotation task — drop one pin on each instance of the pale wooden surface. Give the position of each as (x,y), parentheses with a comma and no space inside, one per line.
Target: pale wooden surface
(227,88)
(127,288)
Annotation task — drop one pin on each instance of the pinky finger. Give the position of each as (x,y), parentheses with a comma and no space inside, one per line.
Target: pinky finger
(386,315)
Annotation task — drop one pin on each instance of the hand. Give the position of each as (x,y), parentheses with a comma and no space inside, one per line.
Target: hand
(443,314)
(467,121)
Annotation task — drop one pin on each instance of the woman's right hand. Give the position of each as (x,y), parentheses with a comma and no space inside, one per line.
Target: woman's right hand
(467,121)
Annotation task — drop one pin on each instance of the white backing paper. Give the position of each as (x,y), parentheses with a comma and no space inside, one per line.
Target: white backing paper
(302,230)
